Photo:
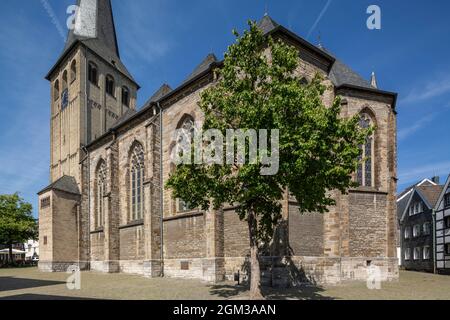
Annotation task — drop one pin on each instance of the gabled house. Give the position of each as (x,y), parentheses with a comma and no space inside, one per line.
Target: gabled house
(402,201)
(415,208)
(442,230)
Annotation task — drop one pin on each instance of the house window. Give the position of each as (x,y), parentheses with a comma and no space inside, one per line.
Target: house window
(407,254)
(101,188)
(416,231)
(73,71)
(417,253)
(45,240)
(137,182)
(110,85)
(93,73)
(415,208)
(426,228)
(426,253)
(407,232)
(125,96)
(447,249)
(365,172)
(447,200)
(447,222)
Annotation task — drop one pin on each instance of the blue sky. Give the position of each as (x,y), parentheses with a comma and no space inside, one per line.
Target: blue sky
(162,41)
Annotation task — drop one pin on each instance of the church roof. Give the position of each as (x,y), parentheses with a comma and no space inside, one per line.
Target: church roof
(203,66)
(65,183)
(160,93)
(124,118)
(340,73)
(97,32)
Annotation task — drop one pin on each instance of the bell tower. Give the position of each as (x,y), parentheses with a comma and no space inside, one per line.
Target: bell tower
(91,90)
(90,87)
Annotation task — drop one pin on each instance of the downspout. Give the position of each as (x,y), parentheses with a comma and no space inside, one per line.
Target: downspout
(161,186)
(86,88)
(433,228)
(87,156)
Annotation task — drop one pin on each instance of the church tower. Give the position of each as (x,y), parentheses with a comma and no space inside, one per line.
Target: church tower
(90,87)
(91,90)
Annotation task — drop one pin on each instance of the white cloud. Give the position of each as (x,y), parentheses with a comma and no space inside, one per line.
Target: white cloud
(417,126)
(321,14)
(412,175)
(433,88)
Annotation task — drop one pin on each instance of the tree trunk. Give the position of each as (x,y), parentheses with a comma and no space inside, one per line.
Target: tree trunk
(255,271)
(11,257)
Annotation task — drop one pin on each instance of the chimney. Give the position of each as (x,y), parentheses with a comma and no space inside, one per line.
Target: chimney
(435,179)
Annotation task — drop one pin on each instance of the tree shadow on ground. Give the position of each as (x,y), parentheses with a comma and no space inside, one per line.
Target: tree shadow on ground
(27,297)
(303,292)
(11,283)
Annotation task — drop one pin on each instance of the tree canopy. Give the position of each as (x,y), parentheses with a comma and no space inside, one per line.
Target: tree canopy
(260,87)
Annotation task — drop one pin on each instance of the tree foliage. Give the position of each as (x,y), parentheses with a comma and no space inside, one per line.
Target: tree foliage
(17,224)
(259,87)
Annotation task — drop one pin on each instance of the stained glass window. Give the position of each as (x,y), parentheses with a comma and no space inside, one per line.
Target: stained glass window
(186,136)
(101,187)
(137,183)
(364,174)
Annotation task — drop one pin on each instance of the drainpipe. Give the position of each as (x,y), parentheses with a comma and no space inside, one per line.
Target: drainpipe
(433,228)
(161,186)
(87,157)
(86,138)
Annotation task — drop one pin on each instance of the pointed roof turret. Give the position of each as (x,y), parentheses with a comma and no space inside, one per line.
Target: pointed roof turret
(373,80)
(94,27)
(267,24)
(204,65)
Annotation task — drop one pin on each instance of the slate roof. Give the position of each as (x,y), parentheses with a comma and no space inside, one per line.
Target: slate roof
(203,66)
(160,93)
(431,193)
(124,118)
(340,73)
(65,183)
(427,190)
(105,44)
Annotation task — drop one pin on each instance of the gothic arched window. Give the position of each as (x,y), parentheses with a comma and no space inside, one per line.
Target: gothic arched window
(187,127)
(365,172)
(110,85)
(73,71)
(137,182)
(101,188)
(93,73)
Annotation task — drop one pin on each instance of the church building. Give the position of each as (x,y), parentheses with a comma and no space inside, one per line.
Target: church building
(106,208)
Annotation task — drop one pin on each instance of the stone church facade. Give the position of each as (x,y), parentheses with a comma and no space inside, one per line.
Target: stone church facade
(107,210)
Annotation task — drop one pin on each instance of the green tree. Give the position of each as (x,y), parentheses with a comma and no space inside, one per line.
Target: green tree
(258,88)
(17,224)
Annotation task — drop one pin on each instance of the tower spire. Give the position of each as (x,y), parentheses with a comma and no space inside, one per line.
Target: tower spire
(94,22)
(373,81)
(94,28)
